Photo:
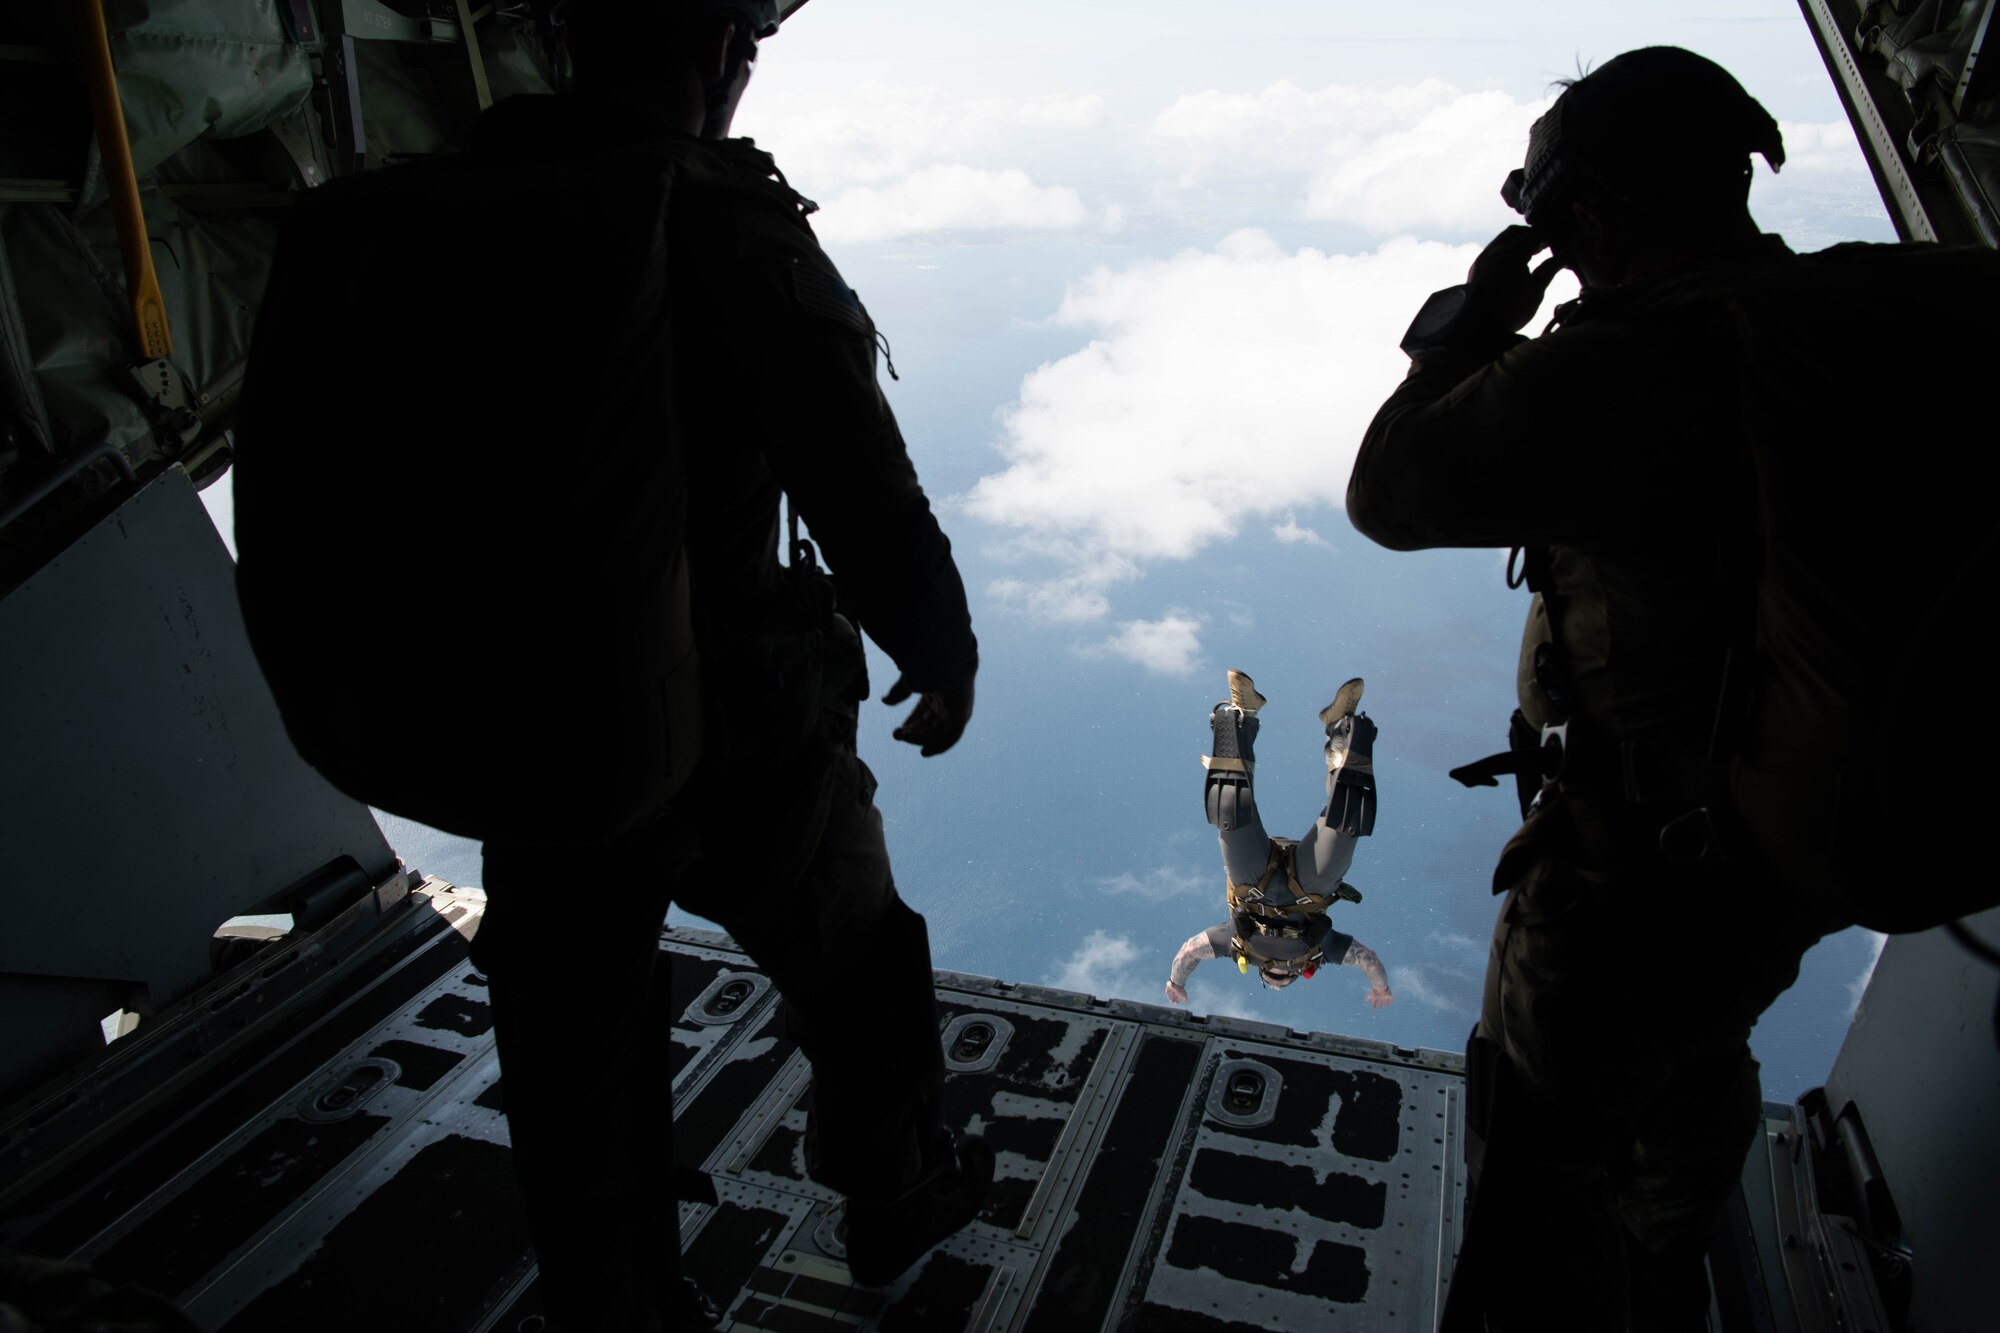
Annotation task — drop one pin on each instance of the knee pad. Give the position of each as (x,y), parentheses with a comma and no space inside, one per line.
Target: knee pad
(1350,808)
(1228,799)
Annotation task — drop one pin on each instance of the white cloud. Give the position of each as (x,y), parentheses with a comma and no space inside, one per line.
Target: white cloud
(1217,387)
(1429,157)
(1815,146)
(1444,171)
(948,197)
(1076,596)
(1229,1003)
(887,162)
(1161,882)
(1105,965)
(880,131)
(1454,940)
(1170,646)
(1057,112)
(1424,156)
(1859,986)
(1439,989)
(1291,534)
(1824,194)
(1274,125)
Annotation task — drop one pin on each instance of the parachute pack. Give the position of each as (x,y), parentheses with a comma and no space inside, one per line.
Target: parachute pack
(1838,756)
(1853,773)
(460,497)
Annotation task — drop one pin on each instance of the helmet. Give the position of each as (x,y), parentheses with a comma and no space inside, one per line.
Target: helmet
(759,17)
(1644,122)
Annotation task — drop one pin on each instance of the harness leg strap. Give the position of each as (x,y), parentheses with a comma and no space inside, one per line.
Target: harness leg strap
(1350,782)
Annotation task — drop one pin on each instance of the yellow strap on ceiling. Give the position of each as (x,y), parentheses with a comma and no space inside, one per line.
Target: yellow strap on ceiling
(121,183)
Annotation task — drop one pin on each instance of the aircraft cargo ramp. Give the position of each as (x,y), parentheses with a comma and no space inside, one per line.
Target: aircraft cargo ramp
(317,1141)
(1157,1170)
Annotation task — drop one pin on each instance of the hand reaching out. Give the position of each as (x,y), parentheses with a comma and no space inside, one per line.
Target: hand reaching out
(1380,998)
(1178,994)
(939,718)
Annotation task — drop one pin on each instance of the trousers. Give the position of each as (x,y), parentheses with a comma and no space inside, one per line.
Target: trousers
(1611,1091)
(570,948)
(1324,854)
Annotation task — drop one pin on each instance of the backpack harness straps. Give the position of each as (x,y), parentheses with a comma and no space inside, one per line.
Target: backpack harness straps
(1249,929)
(1575,754)
(1248,899)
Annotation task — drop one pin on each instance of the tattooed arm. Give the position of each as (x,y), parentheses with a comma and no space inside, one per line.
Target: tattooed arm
(1361,956)
(1197,948)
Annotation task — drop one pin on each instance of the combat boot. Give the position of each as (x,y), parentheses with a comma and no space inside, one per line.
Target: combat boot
(1234,722)
(1243,694)
(883,1239)
(1345,700)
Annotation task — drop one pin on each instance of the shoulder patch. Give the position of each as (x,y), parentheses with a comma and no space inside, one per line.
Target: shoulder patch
(820,291)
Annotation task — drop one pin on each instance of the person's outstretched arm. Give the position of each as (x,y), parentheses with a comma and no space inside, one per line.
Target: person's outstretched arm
(1197,948)
(1361,956)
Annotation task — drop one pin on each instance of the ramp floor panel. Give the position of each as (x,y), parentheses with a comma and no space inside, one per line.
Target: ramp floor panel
(1155,1170)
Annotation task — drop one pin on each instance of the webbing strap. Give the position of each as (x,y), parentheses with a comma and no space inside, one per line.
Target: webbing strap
(798,553)
(1250,897)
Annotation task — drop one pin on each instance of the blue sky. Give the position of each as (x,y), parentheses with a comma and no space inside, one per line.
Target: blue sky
(1144,267)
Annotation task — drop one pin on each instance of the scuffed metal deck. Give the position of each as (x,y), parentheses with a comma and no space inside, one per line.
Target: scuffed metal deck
(1156,1170)
(1130,1193)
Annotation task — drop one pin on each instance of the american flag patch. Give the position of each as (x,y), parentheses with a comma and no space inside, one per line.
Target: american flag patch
(821,292)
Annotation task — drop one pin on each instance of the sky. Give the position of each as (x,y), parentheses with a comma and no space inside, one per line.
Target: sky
(1143,268)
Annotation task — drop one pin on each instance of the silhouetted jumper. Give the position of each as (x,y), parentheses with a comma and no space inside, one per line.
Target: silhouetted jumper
(1700,676)
(776,837)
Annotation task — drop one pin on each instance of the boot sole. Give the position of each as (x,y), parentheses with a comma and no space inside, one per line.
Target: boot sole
(955,1212)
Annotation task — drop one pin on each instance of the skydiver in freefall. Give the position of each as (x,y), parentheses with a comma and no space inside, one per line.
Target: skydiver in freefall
(1280,888)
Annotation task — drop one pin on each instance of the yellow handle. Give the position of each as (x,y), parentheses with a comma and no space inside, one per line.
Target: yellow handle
(1242,963)
(121,183)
